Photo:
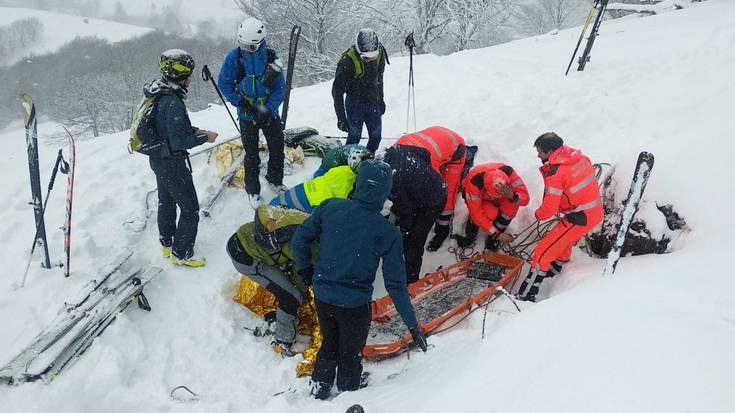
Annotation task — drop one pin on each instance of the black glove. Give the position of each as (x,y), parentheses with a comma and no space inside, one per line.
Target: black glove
(343,125)
(262,115)
(419,338)
(381,106)
(306,275)
(247,108)
(441,232)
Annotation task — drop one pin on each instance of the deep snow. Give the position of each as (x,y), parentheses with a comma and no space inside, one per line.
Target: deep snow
(656,336)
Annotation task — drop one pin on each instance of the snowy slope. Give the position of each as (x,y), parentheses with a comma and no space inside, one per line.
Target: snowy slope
(657,336)
(60,29)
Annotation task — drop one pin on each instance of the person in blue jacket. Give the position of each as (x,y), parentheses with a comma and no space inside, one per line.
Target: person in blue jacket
(353,238)
(173,177)
(251,78)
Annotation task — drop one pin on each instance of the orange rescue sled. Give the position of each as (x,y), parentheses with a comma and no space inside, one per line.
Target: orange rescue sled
(430,286)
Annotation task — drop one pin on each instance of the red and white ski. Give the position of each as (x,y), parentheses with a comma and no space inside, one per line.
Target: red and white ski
(69,199)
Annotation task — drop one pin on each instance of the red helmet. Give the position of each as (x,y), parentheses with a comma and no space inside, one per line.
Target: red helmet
(492,179)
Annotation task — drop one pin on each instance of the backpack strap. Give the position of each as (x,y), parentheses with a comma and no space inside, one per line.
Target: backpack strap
(240,67)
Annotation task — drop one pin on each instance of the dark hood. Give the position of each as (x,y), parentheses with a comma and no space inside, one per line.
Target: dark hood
(163,87)
(374,182)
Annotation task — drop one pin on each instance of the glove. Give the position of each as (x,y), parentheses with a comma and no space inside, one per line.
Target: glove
(307,275)
(441,232)
(343,125)
(247,108)
(419,338)
(262,115)
(381,106)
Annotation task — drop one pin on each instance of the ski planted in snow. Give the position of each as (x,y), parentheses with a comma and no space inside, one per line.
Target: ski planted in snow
(77,325)
(601,6)
(31,127)
(635,193)
(69,199)
(292,47)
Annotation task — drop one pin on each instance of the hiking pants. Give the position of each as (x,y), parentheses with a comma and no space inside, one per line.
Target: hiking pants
(276,282)
(176,188)
(557,244)
(344,333)
(414,239)
(358,112)
(273,131)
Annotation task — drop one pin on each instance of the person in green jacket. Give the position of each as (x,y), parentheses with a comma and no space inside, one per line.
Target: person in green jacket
(261,251)
(349,155)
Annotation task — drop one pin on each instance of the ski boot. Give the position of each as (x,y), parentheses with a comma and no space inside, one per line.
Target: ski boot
(255,200)
(555,269)
(189,261)
(320,391)
(277,188)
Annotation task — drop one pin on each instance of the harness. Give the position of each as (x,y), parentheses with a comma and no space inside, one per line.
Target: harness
(242,74)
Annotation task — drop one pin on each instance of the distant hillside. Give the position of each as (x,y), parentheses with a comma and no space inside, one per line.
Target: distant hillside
(59,29)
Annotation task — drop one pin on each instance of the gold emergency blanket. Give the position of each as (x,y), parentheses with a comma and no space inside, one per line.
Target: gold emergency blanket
(227,153)
(261,302)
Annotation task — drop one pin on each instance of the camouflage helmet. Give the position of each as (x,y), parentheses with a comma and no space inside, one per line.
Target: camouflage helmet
(356,154)
(176,64)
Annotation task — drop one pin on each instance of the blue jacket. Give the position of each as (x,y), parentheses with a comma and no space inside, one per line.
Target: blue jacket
(252,86)
(353,238)
(171,118)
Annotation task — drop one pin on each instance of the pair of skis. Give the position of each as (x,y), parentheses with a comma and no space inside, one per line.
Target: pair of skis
(39,207)
(600,6)
(76,326)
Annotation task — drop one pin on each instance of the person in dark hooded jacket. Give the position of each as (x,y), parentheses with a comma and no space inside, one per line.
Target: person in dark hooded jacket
(173,177)
(353,238)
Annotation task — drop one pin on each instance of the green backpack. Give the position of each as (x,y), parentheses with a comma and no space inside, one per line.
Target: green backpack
(143,136)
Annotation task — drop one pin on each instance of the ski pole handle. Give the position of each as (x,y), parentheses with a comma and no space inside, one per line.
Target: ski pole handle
(206,74)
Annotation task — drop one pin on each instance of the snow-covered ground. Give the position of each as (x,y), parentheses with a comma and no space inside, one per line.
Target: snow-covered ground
(60,29)
(656,336)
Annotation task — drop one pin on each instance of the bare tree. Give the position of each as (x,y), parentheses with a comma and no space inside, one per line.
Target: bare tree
(471,18)
(544,16)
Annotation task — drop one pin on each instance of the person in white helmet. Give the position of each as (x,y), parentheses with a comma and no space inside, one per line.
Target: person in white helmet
(359,75)
(251,78)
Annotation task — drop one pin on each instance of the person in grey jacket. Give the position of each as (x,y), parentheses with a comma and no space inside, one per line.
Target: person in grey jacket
(171,167)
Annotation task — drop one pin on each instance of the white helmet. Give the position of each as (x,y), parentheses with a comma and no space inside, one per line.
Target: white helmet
(250,34)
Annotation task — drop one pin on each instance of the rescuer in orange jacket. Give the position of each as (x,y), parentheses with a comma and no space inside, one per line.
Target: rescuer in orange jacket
(427,172)
(570,188)
(493,193)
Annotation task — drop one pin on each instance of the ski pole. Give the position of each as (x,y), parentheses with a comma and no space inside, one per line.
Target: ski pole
(581,35)
(207,76)
(411,44)
(62,165)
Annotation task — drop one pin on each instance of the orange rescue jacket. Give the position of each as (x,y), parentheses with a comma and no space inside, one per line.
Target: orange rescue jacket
(476,191)
(570,187)
(447,151)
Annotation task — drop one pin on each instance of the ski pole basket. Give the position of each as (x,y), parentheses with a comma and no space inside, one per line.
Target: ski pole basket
(444,296)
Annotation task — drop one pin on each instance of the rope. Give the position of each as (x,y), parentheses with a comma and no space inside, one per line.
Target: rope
(522,246)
